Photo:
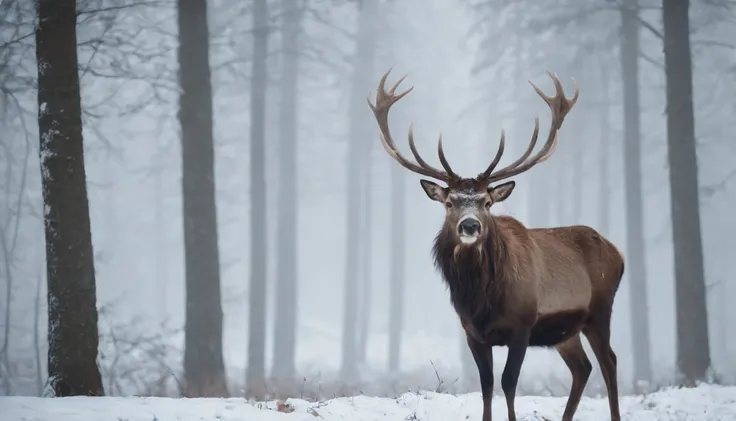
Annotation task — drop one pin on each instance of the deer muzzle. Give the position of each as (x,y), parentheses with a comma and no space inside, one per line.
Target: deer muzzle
(468,229)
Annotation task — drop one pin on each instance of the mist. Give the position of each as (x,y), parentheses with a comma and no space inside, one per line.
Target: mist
(314,227)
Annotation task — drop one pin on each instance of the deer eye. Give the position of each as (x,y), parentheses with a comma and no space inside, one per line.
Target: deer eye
(488,204)
(448,205)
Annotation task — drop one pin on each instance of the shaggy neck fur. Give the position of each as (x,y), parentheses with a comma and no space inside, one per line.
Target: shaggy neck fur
(474,274)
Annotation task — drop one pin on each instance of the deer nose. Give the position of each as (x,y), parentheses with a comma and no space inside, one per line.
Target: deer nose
(469,226)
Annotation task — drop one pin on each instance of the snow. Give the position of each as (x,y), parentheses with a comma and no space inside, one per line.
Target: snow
(706,402)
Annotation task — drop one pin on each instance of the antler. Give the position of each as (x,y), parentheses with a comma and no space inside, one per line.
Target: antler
(384,101)
(560,106)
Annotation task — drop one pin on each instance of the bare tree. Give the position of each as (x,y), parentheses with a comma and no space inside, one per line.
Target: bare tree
(286,269)
(693,350)
(635,250)
(396,247)
(365,266)
(15,150)
(72,301)
(9,230)
(257,294)
(204,368)
(365,246)
(357,151)
(397,267)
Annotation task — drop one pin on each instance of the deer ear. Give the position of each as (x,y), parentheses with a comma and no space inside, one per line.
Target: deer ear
(434,191)
(501,192)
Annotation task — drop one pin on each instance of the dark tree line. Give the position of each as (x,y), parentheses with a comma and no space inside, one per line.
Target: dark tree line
(72,303)
(69,246)
(73,336)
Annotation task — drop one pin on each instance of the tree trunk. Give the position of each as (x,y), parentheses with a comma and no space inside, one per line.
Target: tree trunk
(357,150)
(366,258)
(255,381)
(635,256)
(72,299)
(204,368)
(397,267)
(397,233)
(693,351)
(286,269)
(604,219)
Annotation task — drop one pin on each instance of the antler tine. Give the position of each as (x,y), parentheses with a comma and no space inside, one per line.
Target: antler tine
(413,148)
(522,158)
(559,100)
(496,159)
(396,85)
(443,160)
(560,105)
(530,148)
(384,101)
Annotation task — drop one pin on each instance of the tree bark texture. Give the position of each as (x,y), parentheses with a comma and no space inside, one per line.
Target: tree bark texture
(72,301)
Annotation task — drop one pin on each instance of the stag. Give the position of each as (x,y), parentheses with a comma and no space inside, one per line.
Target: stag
(515,286)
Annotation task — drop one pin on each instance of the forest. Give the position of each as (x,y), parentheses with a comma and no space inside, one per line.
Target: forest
(187,211)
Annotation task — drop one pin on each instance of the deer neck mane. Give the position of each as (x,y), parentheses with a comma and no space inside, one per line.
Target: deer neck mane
(475,275)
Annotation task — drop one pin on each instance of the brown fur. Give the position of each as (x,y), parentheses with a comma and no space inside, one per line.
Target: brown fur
(522,277)
(520,272)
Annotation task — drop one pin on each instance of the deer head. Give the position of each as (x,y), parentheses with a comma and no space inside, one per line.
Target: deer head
(468,201)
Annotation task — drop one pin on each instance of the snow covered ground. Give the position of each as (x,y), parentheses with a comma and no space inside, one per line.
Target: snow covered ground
(706,402)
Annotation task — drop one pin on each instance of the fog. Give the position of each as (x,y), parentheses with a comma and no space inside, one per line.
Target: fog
(469,63)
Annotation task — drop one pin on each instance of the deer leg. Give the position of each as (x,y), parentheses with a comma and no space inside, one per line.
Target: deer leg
(517,345)
(598,333)
(573,354)
(484,360)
